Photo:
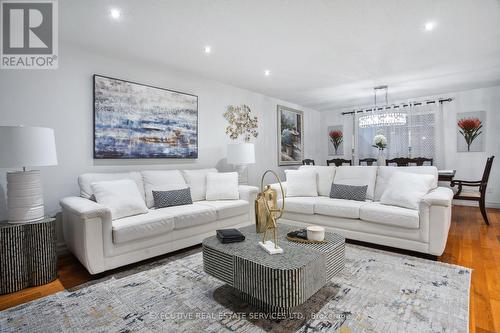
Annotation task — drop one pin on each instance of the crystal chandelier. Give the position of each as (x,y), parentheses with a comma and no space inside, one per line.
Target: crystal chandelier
(383,118)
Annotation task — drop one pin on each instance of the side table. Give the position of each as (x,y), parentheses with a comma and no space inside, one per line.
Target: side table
(28,254)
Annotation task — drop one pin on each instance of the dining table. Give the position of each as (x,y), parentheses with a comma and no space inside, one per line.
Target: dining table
(446,175)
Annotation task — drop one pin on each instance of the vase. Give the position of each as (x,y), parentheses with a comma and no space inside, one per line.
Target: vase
(381,158)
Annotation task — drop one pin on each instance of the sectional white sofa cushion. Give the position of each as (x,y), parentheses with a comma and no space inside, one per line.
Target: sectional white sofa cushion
(357,176)
(161,180)
(301,183)
(338,207)
(222,186)
(406,189)
(131,228)
(391,215)
(228,208)
(102,243)
(324,178)
(197,182)
(122,197)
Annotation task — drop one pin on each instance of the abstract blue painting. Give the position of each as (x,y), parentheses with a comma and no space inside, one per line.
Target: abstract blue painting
(132,120)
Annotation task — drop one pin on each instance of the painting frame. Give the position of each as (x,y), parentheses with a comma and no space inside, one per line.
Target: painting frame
(331,148)
(299,117)
(478,143)
(98,156)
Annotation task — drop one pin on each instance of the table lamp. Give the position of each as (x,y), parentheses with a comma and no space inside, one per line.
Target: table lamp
(22,147)
(241,155)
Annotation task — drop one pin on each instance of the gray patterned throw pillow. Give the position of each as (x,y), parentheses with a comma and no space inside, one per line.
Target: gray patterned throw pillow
(164,199)
(348,192)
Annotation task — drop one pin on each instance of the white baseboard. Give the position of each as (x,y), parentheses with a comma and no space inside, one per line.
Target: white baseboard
(475,204)
(61,248)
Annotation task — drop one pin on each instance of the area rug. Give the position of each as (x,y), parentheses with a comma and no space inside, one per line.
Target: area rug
(377,291)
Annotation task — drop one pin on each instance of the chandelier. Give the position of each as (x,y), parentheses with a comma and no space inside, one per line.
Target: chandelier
(385,116)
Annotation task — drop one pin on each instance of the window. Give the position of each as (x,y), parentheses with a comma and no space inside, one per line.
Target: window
(419,133)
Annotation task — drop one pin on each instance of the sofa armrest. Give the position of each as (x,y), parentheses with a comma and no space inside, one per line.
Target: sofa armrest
(440,196)
(248,193)
(276,187)
(85,208)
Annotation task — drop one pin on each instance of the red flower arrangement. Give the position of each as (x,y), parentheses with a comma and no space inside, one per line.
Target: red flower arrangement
(336,137)
(470,129)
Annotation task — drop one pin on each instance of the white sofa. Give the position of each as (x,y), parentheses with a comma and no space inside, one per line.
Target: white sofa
(424,230)
(101,243)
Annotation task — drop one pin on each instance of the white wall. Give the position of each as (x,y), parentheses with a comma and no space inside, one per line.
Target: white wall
(62,99)
(470,165)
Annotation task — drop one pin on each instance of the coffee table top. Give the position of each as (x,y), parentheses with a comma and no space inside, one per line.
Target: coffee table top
(295,255)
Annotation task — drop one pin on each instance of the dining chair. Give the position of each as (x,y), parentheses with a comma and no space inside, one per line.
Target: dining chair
(368,160)
(419,161)
(308,161)
(399,161)
(480,195)
(338,161)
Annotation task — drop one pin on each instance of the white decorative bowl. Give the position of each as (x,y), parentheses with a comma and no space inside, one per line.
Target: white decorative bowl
(315,233)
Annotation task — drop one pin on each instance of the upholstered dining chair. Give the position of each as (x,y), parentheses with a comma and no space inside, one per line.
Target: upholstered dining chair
(368,160)
(480,195)
(338,161)
(399,161)
(308,161)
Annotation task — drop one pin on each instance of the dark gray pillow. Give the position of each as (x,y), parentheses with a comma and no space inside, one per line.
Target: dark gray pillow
(164,199)
(348,192)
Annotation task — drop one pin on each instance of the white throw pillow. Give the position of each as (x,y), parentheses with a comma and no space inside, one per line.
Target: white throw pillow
(161,180)
(197,182)
(324,179)
(406,189)
(222,186)
(122,197)
(301,183)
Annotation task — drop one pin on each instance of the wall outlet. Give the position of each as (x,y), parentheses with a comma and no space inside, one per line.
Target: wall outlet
(489,190)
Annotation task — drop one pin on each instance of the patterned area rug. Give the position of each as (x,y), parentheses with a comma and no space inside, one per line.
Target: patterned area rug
(377,292)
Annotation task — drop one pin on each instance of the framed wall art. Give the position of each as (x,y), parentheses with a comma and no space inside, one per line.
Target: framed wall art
(290,136)
(471,131)
(133,120)
(335,140)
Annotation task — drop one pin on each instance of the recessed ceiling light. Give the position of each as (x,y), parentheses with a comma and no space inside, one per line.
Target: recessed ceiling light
(115,13)
(430,26)
(267,72)
(207,49)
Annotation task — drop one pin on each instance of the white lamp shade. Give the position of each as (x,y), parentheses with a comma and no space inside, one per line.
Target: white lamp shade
(27,147)
(240,153)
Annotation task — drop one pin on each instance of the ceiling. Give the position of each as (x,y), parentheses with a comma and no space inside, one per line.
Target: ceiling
(323,54)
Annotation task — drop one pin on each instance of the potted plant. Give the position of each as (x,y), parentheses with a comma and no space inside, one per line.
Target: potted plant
(336,137)
(380,142)
(470,128)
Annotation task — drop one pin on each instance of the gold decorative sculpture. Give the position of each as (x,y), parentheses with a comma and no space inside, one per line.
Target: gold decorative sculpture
(267,213)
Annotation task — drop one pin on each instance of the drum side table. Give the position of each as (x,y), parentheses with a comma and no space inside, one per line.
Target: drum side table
(28,254)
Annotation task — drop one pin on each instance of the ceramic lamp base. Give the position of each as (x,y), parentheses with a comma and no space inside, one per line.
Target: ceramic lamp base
(270,247)
(24,196)
(242,171)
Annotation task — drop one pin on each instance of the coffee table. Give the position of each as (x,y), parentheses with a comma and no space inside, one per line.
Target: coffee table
(275,283)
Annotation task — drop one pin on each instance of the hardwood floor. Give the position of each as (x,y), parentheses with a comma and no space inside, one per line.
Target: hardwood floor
(473,244)
(470,243)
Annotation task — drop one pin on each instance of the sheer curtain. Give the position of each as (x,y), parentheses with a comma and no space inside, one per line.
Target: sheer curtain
(419,133)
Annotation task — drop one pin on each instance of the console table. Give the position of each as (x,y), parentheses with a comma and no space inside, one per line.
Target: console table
(28,255)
